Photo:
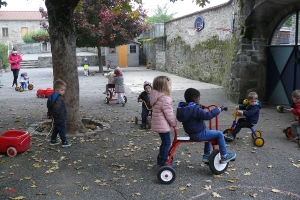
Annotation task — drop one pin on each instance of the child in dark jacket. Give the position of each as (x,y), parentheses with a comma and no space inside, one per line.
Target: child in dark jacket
(57,110)
(251,113)
(192,116)
(146,106)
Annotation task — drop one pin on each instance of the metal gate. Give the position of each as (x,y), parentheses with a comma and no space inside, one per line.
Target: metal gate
(283,66)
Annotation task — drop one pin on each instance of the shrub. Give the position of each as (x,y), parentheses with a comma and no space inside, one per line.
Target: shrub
(4,56)
(31,37)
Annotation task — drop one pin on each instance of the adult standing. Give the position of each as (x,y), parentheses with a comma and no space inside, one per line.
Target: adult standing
(14,59)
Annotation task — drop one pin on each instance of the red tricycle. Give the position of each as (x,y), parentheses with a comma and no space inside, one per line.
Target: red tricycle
(14,141)
(256,135)
(44,93)
(166,174)
(148,117)
(111,93)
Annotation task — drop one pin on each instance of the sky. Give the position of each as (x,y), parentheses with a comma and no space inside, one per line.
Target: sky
(180,7)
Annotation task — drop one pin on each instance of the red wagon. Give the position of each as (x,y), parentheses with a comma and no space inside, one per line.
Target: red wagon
(14,141)
(44,93)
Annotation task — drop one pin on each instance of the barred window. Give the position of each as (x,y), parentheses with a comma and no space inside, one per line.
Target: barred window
(4,32)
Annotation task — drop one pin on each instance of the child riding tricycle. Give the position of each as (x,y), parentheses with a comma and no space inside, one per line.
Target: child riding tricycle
(193,116)
(250,109)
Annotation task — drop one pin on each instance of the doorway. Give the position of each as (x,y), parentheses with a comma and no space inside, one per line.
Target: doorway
(283,61)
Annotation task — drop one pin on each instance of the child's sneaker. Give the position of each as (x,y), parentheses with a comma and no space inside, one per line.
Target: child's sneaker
(66,144)
(54,142)
(229,137)
(205,158)
(123,104)
(294,139)
(227,157)
(143,126)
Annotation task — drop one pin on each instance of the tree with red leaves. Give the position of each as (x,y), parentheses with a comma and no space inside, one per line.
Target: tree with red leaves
(107,23)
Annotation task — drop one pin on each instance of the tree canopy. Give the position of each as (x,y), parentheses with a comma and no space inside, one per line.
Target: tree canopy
(108,23)
(160,15)
(3,3)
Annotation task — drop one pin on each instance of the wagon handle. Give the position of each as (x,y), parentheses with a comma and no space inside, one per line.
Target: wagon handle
(24,139)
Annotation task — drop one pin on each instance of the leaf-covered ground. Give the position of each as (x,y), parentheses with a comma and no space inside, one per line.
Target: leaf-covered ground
(121,163)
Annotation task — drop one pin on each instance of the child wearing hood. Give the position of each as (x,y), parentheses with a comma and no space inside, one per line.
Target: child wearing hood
(251,113)
(193,117)
(162,115)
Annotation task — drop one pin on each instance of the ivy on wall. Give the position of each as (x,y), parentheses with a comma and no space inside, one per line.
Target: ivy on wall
(209,61)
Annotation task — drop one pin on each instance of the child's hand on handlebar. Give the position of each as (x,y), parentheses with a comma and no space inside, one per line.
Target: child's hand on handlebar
(240,113)
(140,100)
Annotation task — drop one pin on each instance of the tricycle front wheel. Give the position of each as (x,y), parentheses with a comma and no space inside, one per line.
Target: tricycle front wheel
(166,175)
(215,164)
(11,151)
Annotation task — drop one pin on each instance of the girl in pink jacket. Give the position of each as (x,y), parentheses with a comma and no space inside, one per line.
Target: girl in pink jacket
(14,59)
(162,115)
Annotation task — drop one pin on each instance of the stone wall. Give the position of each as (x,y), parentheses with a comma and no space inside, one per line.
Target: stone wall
(206,55)
(46,61)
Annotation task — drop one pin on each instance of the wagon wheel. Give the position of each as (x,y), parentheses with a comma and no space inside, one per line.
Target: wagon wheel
(258,134)
(215,164)
(11,151)
(43,95)
(21,89)
(30,86)
(17,88)
(166,175)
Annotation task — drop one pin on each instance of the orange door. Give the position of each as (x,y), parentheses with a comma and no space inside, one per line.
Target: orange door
(122,56)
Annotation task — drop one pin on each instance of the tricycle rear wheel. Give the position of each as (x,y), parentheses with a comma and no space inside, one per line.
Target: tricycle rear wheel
(215,164)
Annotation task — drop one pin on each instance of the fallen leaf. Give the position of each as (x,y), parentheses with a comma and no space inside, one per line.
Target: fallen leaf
(207,187)
(97,181)
(253,195)
(247,174)
(215,195)
(275,190)
(270,166)
(17,198)
(182,188)
(233,188)
(85,188)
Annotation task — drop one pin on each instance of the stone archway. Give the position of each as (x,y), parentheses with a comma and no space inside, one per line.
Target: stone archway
(258,21)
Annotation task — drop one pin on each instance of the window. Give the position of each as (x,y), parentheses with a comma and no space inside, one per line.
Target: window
(132,48)
(24,31)
(4,32)
(112,50)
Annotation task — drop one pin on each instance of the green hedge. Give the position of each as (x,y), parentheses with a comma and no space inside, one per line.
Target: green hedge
(4,56)
(27,38)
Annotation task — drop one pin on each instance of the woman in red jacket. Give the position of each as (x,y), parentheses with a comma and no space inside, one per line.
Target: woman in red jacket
(14,59)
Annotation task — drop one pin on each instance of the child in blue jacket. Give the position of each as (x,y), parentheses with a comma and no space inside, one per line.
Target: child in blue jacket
(251,113)
(192,116)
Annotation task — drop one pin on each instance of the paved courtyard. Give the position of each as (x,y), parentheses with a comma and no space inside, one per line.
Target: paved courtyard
(120,163)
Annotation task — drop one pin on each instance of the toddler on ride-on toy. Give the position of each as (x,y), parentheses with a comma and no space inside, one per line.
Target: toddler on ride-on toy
(146,107)
(192,116)
(251,113)
(294,136)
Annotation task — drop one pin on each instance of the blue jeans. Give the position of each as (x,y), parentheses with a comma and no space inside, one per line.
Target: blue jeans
(209,135)
(145,112)
(24,85)
(61,130)
(165,145)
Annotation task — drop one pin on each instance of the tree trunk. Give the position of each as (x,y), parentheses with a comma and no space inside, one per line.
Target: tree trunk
(63,47)
(100,60)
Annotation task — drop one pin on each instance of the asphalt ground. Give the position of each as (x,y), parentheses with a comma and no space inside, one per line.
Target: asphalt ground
(120,163)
